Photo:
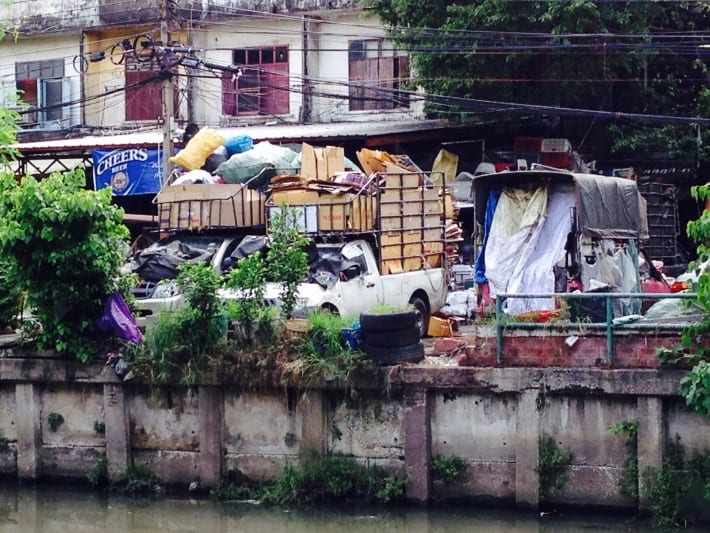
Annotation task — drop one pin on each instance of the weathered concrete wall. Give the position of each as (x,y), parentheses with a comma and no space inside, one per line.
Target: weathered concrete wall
(62,15)
(493,418)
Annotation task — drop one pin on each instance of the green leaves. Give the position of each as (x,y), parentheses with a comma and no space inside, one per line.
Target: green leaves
(286,258)
(695,387)
(68,244)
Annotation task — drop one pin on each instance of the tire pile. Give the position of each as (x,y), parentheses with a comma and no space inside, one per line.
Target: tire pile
(391,338)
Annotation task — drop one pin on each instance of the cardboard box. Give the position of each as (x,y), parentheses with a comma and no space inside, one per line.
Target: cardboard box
(209,206)
(321,163)
(324,212)
(440,327)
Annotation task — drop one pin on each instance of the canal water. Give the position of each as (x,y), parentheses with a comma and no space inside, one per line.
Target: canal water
(60,509)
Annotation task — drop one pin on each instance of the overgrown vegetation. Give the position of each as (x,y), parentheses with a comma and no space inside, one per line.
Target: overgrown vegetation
(98,474)
(447,469)
(629,481)
(138,479)
(323,353)
(54,420)
(10,293)
(552,467)
(695,385)
(244,341)
(679,491)
(450,48)
(317,480)
(67,244)
(286,258)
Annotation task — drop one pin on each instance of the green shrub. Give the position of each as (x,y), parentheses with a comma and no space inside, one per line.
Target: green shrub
(68,243)
(10,293)
(447,469)
(552,466)
(334,478)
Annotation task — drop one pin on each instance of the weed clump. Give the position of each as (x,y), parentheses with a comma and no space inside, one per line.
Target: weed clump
(330,479)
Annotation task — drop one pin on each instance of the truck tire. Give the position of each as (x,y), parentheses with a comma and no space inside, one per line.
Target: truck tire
(392,338)
(395,355)
(388,321)
(421,309)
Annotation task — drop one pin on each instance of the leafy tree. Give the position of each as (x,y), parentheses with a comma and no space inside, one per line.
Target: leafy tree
(695,386)
(613,56)
(68,244)
(287,262)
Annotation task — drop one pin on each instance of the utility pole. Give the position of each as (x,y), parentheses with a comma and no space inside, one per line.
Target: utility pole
(168,99)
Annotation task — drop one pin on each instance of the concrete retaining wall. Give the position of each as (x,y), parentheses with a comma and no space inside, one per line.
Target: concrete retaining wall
(493,418)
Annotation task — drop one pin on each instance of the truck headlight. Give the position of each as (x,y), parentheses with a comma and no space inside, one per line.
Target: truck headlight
(166,290)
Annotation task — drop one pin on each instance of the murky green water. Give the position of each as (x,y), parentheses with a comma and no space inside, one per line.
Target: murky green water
(72,510)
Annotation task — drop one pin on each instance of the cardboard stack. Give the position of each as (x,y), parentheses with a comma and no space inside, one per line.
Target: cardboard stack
(324,202)
(200,206)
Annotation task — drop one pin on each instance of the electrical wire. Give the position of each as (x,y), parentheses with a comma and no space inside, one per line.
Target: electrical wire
(453,102)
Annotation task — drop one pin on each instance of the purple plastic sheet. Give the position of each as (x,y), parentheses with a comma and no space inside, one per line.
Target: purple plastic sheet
(119,320)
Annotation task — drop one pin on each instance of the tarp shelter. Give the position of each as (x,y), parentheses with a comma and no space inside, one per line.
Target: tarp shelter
(535,224)
(607,207)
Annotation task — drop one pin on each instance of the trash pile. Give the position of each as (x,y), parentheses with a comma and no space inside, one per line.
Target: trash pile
(304,175)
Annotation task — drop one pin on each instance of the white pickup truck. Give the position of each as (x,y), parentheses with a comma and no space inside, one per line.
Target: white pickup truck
(346,280)
(157,268)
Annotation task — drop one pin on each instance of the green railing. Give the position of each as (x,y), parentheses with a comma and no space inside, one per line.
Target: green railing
(504,320)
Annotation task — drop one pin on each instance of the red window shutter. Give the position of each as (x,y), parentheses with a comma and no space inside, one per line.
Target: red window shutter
(144,102)
(229,94)
(275,89)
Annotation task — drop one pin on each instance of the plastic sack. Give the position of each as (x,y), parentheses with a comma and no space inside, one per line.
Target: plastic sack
(264,158)
(194,155)
(238,144)
(118,319)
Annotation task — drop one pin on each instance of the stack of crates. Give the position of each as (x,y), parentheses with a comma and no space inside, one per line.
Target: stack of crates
(663,225)
(527,148)
(556,153)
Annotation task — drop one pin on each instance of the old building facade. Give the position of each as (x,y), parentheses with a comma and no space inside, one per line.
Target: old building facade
(101,66)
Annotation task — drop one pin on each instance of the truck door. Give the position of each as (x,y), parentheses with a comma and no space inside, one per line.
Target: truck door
(364,291)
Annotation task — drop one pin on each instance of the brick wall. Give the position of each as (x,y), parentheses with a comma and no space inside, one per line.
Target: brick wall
(630,351)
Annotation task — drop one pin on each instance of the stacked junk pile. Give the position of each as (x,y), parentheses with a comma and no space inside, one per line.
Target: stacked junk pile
(236,183)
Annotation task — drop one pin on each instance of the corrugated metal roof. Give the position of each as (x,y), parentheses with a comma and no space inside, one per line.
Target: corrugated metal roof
(283,132)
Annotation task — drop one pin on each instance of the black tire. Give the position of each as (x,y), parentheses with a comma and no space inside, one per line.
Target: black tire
(395,355)
(388,321)
(421,310)
(392,338)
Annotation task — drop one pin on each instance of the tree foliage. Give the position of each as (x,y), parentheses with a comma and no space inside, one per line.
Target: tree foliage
(695,386)
(612,56)
(68,244)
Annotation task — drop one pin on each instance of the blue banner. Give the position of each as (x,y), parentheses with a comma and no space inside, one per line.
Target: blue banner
(128,171)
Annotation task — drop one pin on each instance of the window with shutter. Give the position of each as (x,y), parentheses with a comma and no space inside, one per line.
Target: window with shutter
(258,84)
(376,71)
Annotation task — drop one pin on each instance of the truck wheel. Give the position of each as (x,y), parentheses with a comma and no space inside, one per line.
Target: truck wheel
(392,338)
(421,310)
(395,355)
(388,321)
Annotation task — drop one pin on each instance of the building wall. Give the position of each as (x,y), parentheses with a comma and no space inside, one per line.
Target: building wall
(316,32)
(47,47)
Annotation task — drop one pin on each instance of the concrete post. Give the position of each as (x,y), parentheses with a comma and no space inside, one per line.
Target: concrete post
(29,431)
(118,436)
(417,444)
(211,409)
(527,450)
(651,438)
(314,432)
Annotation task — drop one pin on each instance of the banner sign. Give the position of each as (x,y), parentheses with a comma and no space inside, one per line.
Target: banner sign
(128,171)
